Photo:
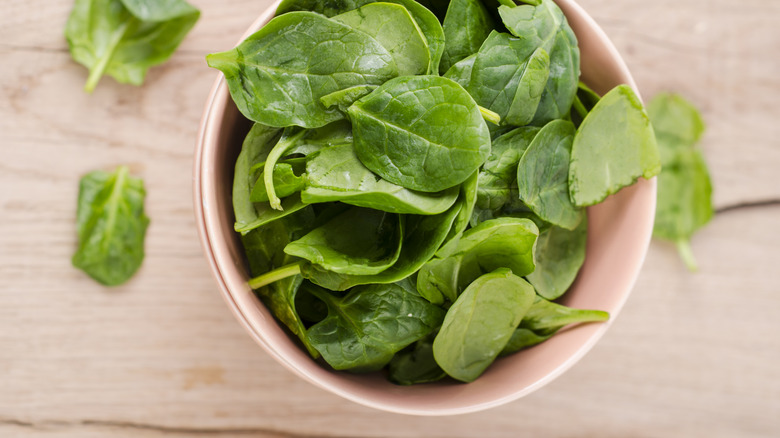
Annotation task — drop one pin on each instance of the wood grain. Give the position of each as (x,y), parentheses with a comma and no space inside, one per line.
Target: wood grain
(691,354)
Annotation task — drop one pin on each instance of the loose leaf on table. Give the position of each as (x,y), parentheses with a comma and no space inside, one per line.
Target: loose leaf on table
(506,76)
(395,29)
(543,175)
(111,226)
(499,172)
(425,19)
(421,132)
(254,151)
(336,174)
(559,256)
(278,75)
(480,323)
(466,26)
(544,319)
(415,364)
(684,186)
(497,243)
(365,328)
(124,38)
(613,147)
(360,241)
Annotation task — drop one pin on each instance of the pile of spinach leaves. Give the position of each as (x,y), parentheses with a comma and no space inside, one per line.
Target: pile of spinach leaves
(411,196)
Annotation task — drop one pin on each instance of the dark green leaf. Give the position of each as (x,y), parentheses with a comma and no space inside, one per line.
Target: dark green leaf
(342,99)
(415,364)
(559,257)
(467,198)
(499,172)
(466,26)
(111,226)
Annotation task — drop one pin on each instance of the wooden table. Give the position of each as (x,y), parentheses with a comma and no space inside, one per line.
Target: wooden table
(691,355)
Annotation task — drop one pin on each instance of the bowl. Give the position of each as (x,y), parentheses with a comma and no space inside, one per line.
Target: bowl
(619,233)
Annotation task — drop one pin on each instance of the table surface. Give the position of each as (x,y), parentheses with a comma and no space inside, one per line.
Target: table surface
(690,355)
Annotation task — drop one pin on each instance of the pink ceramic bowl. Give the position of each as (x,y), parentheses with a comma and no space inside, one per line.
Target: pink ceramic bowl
(618,236)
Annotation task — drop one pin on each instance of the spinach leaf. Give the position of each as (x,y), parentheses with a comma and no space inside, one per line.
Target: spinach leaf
(467,198)
(111,226)
(428,23)
(257,145)
(124,38)
(613,147)
(480,323)
(395,29)
(287,179)
(684,186)
(415,364)
(336,174)
(543,174)
(543,320)
(497,243)
(499,172)
(559,256)
(466,26)
(278,75)
(342,99)
(420,117)
(359,241)
(365,328)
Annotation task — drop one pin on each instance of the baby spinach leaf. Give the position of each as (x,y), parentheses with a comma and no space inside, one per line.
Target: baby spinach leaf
(124,38)
(613,147)
(428,23)
(365,328)
(480,323)
(278,75)
(111,226)
(420,117)
(497,243)
(336,174)
(559,257)
(543,174)
(359,241)
(467,198)
(342,99)
(466,26)
(499,172)
(395,29)
(684,186)
(544,319)
(415,364)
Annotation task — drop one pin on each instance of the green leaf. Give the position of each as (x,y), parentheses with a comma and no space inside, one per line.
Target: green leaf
(336,174)
(684,186)
(466,26)
(342,99)
(415,364)
(287,179)
(365,328)
(359,241)
(613,147)
(559,256)
(278,75)
(584,102)
(543,175)
(467,198)
(124,38)
(414,117)
(111,226)
(395,29)
(499,173)
(543,320)
(497,243)
(480,323)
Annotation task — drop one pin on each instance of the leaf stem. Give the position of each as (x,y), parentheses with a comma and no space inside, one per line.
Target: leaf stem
(684,249)
(277,274)
(490,116)
(579,107)
(97,70)
(277,152)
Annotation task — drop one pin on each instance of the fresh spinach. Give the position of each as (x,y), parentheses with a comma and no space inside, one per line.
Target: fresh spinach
(466,26)
(124,38)
(559,256)
(543,320)
(499,173)
(415,364)
(480,323)
(287,179)
(420,116)
(343,99)
(365,328)
(613,147)
(684,186)
(111,226)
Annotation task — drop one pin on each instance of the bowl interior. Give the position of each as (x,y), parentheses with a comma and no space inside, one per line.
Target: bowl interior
(619,231)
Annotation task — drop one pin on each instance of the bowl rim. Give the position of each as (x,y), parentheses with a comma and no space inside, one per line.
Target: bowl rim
(216,101)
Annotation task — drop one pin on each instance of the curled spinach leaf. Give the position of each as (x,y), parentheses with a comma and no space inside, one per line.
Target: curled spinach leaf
(420,117)
(124,38)
(559,256)
(111,226)
(480,323)
(343,99)
(466,26)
